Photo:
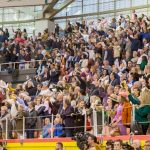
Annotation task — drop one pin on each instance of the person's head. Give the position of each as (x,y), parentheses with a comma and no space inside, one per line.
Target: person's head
(31,105)
(112,76)
(105,72)
(81,104)
(30,84)
(59,146)
(147,69)
(20,107)
(130,64)
(145,96)
(76,89)
(109,145)
(131,77)
(117,89)
(136,92)
(47,121)
(58,119)
(38,101)
(118,145)
(4,109)
(136,144)
(66,101)
(147,145)
(59,96)
(39,86)
(144,58)
(91,140)
(110,90)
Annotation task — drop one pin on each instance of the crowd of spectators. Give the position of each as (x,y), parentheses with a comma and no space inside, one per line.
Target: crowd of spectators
(98,65)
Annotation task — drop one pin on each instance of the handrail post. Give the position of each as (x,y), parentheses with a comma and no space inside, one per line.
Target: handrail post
(14,65)
(52,125)
(95,122)
(133,114)
(103,120)
(6,128)
(85,120)
(23,127)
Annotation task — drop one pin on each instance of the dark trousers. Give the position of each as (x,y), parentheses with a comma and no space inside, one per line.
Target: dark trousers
(69,132)
(144,128)
(30,133)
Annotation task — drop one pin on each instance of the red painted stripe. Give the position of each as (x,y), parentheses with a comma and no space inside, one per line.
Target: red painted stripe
(105,138)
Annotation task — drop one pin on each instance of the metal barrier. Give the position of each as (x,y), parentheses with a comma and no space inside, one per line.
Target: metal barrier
(98,123)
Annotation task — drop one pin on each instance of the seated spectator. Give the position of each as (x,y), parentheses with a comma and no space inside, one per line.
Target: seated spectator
(58,127)
(47,129)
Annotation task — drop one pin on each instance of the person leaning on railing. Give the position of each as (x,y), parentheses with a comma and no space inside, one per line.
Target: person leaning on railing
(141,112)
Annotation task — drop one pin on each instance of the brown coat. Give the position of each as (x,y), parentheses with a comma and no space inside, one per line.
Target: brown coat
(126,113)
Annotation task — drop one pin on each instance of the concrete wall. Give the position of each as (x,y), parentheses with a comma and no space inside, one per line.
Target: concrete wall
(41,25)
(21,75)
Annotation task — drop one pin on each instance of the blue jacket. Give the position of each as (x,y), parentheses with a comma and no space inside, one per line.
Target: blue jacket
(135,44)
(45,132)
(145,35)
(59,130)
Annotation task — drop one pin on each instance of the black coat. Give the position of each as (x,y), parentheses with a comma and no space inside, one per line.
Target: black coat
(66,116)
(32,91)
(31,119)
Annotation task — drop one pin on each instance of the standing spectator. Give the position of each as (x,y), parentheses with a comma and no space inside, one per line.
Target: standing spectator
(67,115)
(31,121)
(57,29)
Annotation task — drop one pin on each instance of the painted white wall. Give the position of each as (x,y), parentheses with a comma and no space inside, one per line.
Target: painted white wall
(41,25)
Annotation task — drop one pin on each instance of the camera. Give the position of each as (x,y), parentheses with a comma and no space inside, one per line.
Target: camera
(126,146)
(81,139)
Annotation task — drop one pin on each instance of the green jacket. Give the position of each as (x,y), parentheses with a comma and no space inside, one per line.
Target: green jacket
(142,112)
(142,65)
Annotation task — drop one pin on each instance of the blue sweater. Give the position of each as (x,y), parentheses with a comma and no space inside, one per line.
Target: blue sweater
(59,130)
(45,132)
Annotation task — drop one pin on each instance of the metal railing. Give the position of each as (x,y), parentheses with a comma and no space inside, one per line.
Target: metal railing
(96,126)
(21,65)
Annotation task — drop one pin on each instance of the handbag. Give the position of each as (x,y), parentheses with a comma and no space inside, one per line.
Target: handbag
(136,128)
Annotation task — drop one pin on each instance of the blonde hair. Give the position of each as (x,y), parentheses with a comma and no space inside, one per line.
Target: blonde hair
(145,96)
